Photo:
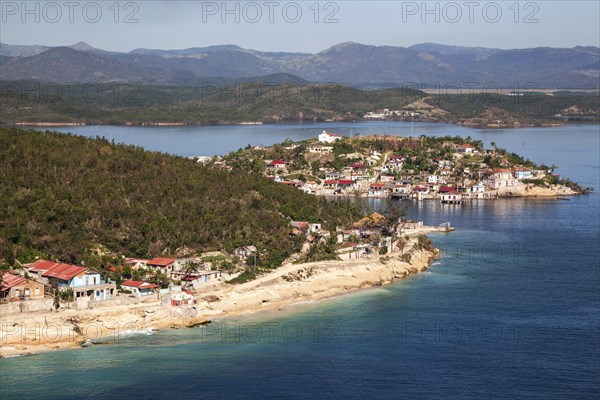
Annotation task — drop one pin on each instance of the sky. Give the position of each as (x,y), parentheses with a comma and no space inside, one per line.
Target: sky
(300,26)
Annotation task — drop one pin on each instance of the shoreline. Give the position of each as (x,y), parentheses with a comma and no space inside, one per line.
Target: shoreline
(291,286)
(250,123)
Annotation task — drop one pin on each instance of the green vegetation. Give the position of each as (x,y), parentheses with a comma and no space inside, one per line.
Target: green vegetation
(26,101)
(64,197)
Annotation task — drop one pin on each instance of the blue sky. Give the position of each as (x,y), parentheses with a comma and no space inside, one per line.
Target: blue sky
(298,26)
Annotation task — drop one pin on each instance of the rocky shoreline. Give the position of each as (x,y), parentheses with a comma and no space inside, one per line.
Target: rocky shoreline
(289,285)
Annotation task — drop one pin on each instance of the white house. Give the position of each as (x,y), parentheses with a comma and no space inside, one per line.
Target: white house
(244,252)
(327,137)
(479,188)
(451,198)
(523,173)
(466,149)
(139,288)
(500,178)
(433,179)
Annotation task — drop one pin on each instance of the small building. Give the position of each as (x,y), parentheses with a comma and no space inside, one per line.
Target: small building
(14,286)
(332,175)
(85,283)
(330,184)
(419,192)
(277,165)
(357,167)
(377,190)
(451,197)
(197,278)
(500,178)
(245,251)
(478,188)
(523,173)
(306,226)
(446,189)
(318,149)
(345,184)
(140,288)
(136,263)
(433,179)
(466,149)
(164,265)
(176,297)
(327,137)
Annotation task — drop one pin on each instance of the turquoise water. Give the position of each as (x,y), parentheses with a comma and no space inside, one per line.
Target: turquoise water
(511,310)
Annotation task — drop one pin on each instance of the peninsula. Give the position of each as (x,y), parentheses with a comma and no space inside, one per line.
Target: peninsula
(452,170)
(114,238)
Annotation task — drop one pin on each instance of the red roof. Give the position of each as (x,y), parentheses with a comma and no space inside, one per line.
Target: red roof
(419,189)
(331,182)
(161,262)
(467,146)
(139,284)
(377,185)
(40,265)
(64,272)
(396,157)
(333,134)
(277,162)
(445,189)
(357,165)
(345,182)
(9,280)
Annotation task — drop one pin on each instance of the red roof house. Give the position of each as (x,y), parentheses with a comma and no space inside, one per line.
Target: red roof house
(161,262)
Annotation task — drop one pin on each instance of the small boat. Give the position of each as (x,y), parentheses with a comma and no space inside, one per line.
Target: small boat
(563,198)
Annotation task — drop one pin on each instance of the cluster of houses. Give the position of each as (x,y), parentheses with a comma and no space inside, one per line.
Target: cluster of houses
(42,278)
(386,175)
(386,113)
(190,271)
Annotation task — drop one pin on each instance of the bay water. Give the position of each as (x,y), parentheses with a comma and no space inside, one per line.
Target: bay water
(510,310)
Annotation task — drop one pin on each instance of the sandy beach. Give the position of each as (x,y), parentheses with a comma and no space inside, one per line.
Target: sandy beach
(288,285)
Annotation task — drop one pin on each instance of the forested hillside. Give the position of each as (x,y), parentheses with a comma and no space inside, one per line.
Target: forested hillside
(65,196)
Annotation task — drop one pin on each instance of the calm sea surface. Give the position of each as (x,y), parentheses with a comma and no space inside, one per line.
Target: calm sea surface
(511,310)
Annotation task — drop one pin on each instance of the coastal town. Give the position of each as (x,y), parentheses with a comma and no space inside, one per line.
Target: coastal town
(185,289)
(158,293)
(451,170)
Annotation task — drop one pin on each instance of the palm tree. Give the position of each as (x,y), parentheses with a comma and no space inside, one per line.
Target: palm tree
(191,268)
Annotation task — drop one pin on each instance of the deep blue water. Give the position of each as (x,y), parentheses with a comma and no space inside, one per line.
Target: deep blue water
(511,310)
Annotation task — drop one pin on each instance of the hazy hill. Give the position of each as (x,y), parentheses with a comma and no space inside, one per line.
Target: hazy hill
(426,64)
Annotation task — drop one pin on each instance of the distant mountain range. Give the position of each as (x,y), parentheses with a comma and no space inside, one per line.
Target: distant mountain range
(363,66)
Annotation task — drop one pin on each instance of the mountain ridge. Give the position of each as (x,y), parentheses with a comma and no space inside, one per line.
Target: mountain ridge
(352,63)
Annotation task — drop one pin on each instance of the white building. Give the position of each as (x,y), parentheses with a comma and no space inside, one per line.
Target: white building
(327,137)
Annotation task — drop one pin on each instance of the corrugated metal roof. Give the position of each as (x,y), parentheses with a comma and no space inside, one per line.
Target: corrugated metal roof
(161,262)
(9,280)
(139,284)
(64,272)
